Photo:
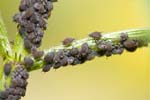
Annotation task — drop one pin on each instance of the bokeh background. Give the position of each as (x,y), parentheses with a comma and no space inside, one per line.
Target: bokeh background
(124,77)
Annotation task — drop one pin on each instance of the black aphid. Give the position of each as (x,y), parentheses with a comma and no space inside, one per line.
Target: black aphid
(28,62)
(7,68)
(84,50)
(47,67)
(67,41)
(73,51)
(32,20)
(18,85)
(49,57)
(38,54)
(130,45)
(95,35)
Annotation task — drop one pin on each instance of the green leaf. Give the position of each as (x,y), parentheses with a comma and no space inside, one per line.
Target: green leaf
(5,49)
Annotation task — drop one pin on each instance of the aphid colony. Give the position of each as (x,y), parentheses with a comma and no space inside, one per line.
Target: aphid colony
(62,57)
(79,55)
(17,89)
(32,20)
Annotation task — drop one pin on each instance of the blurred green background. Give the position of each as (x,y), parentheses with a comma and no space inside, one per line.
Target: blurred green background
(124,77)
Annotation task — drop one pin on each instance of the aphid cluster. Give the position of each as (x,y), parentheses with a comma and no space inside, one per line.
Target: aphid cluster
(17,89)
(79,55)
(32,20)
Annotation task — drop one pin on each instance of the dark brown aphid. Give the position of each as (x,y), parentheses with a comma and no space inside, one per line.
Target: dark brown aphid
(27,14)
(30,27)
(38,54)
(130,45)
(49,6)
(57,65)
(46,68)
(27,44)
(95,35)
(17,18)
(70,60)
(42,23)
(124,36)
(64,61)
(3,95)
(28,62)
(7,68)
(67,41)
(73,51)
(24,4)
(84,50)
(118,50)
(91,55)
(105,46)
(49,57)
(108,53)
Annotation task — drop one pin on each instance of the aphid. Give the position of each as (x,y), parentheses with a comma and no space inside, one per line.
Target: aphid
(42,23)
(73,51)
(104,46)
(30,27)
(3,95)
(95,35)
(64,61)
(49,57)
(57,65)
(27,14)
(35,18)
(28,62)
(118,50)
(38,54)
(47,67)
(7,68)
(39,7)
(31,36)
(130,45)
(17,18)
(70,60)
(49,6)
(91,55)
(67,41)
(27,44)
(84,50)
(123,36)
(24,4)
(108,53)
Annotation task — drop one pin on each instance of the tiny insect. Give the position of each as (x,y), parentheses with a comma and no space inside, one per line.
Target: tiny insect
(46,68)
(130,45)
(17,18)
(27,14)
(27,44)
(7,68)
(30,27)
(91,55)
(67,41)
(39,7)
(95,35)
(123,36)
(28,62)
(49,57)
(74,51)
(3,95)
(42,23)
(24,4)
(84,50)
(38,54)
